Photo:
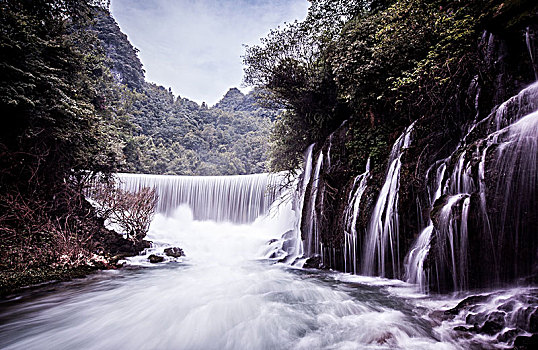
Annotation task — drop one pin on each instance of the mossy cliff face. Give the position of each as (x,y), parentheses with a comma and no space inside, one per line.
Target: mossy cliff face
(466,183)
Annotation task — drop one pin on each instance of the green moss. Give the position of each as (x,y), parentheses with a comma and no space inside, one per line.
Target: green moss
(14,281)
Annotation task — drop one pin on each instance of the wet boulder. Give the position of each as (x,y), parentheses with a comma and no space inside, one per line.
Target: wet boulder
(476,319)
(155,258)
(174,252)
(313,262)
(525,342)
(508,335)
(494,324)
(289,243)
(288,235)
(467,303)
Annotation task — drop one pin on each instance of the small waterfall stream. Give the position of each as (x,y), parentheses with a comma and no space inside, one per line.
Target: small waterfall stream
(312,243)
(351,237)
(415,259)
(382,242)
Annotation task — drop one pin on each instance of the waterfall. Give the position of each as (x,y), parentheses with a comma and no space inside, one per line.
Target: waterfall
(414,262)
(237,199)
(452,239)
(515,160)
(300,199)
(529,40)
(292,243)
(312,246)
(382,237)
(496,164)
(351,239)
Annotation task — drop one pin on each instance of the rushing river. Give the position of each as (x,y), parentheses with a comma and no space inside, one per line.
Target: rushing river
(220,296)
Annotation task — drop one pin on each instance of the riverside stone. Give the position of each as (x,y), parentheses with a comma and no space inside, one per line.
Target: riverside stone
(155,258)
(174,252)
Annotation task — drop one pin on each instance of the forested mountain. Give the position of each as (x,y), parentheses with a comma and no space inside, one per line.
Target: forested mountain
(62,131)
(168,135)
(77,109)
(415,123)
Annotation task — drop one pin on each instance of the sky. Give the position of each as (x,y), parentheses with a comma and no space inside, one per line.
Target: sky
(195,46)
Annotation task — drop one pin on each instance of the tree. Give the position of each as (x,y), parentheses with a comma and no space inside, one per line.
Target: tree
(380,64)
(51,94)
(293,65)
(58,132)
(132,212)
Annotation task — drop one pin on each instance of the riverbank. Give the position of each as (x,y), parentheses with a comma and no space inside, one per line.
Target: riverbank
(12,282)
(15,281)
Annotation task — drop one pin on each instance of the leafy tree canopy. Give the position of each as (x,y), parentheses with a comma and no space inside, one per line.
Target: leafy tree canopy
(380,64)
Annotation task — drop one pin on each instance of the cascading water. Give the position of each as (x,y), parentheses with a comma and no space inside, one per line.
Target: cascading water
(351,238)
(291,242)
(486,187)
(507,157)
(221,295)
(238,199)
(382,239)
(312,243)
(530,40)
(414,262)
(229,293)
(452,239)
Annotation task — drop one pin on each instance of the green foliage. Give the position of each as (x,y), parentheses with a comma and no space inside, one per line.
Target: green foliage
(58,131)
(162,134)
(380,64)
(123,60)
(294,65)
(180,137)
(366,142)
(51,98)
(399,62)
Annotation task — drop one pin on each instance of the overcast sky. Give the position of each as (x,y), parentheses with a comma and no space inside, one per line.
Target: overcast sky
(195,46)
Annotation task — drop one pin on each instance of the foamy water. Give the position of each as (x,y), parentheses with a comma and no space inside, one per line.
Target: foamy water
(221,295)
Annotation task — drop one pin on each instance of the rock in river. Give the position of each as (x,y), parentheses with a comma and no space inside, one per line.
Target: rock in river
(174,252)
(155,258)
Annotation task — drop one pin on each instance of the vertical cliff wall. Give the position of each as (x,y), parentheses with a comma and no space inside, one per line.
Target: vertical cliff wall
(447,205)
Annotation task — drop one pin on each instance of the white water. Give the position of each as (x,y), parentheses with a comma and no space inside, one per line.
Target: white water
(382,241)
(312,243)
(220,296)
(453,234)
(295,249)
(351,236)
(239,198)
(414,264)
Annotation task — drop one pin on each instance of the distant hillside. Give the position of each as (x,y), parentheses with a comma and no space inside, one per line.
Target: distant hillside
(168,135)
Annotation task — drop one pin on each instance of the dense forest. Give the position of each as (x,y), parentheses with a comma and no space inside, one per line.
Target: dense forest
(59,135)
(78,109)
(379,65)
(163,134)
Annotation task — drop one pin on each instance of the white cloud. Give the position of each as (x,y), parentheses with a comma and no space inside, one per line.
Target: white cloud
(195,46)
